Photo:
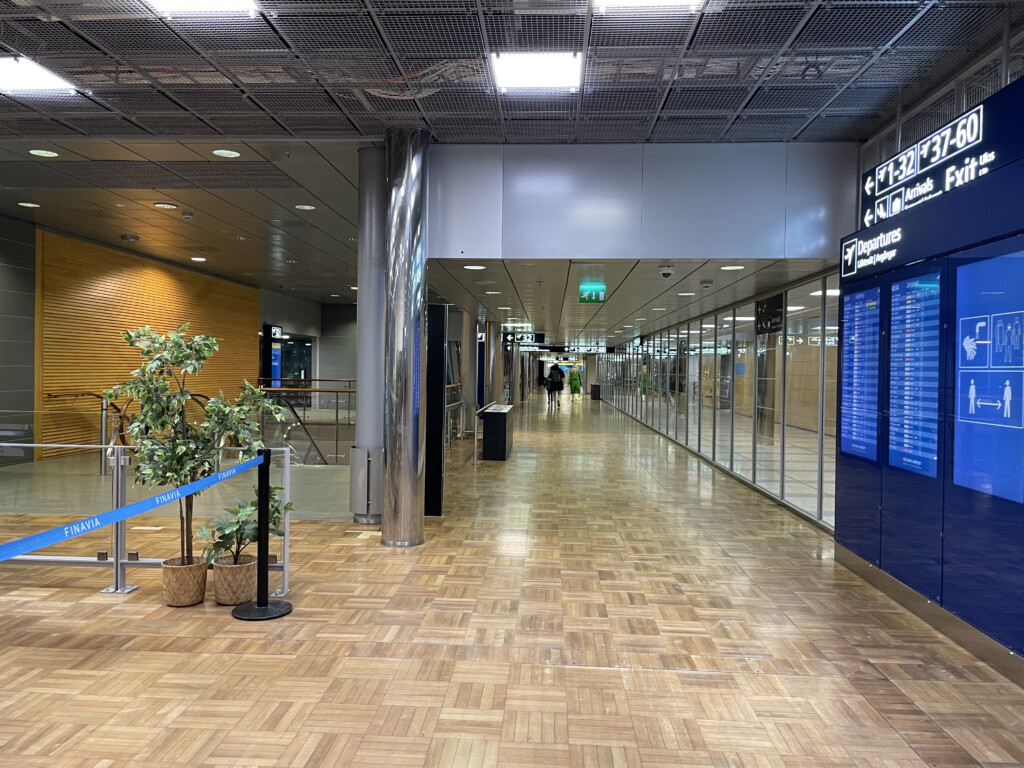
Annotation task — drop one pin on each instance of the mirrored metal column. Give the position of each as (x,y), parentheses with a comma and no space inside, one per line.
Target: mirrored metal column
(366,486)
(405,356)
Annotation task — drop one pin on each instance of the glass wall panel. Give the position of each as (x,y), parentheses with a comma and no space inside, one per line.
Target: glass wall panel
(802,392)
(677,404)
(723,403)
(744,375)
(708,383)
(656,382)
(767,411)
(693,384)
(830,337)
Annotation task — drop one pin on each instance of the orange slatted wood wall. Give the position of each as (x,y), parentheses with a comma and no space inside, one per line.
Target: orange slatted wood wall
(87,294)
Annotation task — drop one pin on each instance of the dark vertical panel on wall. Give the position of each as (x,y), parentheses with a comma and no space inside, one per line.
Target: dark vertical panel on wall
(437,336)
(338,343)
(17,337)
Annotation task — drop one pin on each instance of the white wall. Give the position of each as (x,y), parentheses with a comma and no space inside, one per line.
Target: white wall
(655,201)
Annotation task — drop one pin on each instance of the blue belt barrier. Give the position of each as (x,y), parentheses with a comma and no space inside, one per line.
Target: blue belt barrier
(71,530)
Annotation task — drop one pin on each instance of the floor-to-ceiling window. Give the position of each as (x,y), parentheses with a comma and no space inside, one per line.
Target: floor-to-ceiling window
(759,404)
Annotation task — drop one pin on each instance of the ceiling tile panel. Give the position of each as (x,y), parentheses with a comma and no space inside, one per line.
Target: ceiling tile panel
(788,98)
(688,99)
(765,127)
(445,35)
(664,31)
(857,26)
(748,29)
(560,32)
(136,37)
(327,34)
(171,125)
(614,101)
(687,129)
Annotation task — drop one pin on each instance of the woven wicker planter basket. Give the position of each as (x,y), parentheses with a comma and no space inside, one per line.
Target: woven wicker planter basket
(184,584)
(234,584)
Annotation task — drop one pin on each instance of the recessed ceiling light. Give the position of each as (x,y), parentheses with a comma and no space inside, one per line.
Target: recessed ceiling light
(226,153)
(493,293)
(659,309)
(507,309)
(29,205)
(686,294)
(732,267)
(354,287)
(708,326)
(830,292)
(474,266)
(165,206)
(627,326)
(305,207)
(744,319)
(640,319)
(291,261)
(19,74)
(119,205)
(560,71)
(198,258)
(203,7)
(43,153)
(795,309)
(335,295)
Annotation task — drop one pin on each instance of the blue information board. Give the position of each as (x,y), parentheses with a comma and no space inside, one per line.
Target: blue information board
(859,426)
(988,438)
(914,375)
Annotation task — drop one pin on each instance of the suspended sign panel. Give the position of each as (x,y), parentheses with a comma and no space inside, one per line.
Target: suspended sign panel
(592,294)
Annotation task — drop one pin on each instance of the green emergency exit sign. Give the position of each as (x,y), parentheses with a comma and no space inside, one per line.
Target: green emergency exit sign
(592,294)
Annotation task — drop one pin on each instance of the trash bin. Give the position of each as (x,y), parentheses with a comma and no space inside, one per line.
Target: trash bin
(595,391)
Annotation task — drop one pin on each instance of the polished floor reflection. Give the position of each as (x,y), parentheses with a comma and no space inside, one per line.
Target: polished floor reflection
(602,599)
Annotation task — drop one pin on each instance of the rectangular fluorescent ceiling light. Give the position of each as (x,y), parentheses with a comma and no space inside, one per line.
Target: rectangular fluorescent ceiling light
(18,74)
(171,8)
(537,71)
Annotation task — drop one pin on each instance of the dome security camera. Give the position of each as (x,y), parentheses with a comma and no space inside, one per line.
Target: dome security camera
(666,271)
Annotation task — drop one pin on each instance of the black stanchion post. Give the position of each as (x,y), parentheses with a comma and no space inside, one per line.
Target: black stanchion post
(263,608)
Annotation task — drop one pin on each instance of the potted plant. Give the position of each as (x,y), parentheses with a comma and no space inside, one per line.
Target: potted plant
(175,448)
(234,573)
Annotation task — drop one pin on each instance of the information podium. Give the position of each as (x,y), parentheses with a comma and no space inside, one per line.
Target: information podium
(497,432)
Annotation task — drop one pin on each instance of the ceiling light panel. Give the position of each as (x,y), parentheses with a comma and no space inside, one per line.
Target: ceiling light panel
(21,75)
(172,8)
(559,71)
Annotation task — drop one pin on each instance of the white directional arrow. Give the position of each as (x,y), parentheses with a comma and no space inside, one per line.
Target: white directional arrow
(869,218)
(869,185)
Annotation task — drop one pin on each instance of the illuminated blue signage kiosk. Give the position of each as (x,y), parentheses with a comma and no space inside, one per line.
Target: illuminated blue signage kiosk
(930,450)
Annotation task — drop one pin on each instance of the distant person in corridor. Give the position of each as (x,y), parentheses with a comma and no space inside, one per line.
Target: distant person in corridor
(576,383)
(555,384)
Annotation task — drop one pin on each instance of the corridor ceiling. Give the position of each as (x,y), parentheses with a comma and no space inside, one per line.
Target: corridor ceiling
(654,70)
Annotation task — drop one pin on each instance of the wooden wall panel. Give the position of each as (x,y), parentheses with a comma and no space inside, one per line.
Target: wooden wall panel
(87,294)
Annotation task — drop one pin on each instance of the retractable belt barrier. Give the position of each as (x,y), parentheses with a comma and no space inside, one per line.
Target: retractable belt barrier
(93,522)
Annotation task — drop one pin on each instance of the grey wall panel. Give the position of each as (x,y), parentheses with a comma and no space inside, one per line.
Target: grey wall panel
(338,341)
(714,201)
(821,203)
(296,316)
(664,201)
(17,336)
(464,189)
(571,202)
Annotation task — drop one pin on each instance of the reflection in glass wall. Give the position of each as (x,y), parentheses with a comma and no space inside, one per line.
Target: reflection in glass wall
(724,397)
(761,405)
(743,393)
(803,379)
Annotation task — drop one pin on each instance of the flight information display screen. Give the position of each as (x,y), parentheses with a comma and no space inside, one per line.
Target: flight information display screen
(988,438)
(859,426)
(914,375)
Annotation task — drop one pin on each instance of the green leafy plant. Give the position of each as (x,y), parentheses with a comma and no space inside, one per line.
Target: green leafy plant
(172,448)
(237,528)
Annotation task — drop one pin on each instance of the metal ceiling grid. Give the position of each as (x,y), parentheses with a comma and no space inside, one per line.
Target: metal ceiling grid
(790,98)
(133,100)
(540,131)
(539,105)
(922,123)
(37,126)
(107,125)
(981,84)
(325,35)
(463,131)
(444,35)
(695,100)
(689,129)
(847,28)
(474,104)
(627,72)
(621,130)
(510,32)
(136,37)
(751,30)
(719,70)
(213,36)
(838,127)
(617,101)
(180,125)
(646,31)
(247,125)
(760,127)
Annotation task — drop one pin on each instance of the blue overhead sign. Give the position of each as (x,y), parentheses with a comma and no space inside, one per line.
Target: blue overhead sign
(962,151)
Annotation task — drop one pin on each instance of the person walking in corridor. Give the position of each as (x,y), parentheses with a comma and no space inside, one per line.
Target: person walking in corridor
(576,383)
(555,382)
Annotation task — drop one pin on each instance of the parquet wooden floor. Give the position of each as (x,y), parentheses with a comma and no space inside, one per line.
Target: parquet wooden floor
(602,600)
